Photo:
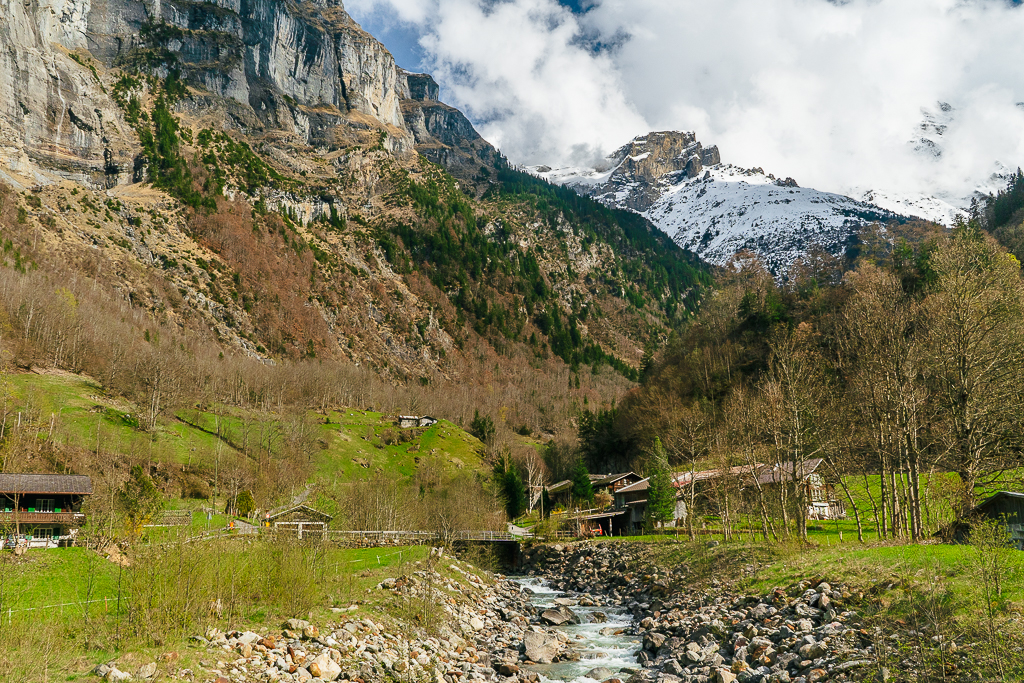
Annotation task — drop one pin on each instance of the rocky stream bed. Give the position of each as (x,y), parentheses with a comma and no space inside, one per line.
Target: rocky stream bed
(586,613)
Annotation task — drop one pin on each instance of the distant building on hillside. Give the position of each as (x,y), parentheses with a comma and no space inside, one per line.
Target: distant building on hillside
(301,520)
(42,510)
(410,421)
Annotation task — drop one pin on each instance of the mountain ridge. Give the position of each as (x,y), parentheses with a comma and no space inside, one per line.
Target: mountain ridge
(717,210)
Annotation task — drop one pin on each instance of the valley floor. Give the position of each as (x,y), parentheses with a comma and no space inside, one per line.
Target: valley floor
(255,610)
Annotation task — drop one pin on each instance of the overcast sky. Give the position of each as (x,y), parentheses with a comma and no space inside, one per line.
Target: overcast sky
(829,92)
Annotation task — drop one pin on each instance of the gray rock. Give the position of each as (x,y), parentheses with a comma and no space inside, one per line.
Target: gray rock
(851,665)
(812,651)
(600,673)
(673,667)
(554,617)
(540,647)
(147,670)
(653,641)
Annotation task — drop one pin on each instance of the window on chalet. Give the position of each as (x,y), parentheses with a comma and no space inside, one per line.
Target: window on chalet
(45,505)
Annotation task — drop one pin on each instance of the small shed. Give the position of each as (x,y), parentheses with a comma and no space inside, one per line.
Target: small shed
(302,519)
(1005,507)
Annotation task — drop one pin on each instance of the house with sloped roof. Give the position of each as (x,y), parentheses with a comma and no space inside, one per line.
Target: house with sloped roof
(699,487)
(822,501)
(302,520)
(42,510)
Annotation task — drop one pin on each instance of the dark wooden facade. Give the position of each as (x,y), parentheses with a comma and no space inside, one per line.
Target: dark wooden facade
(42,507)
(1006,508)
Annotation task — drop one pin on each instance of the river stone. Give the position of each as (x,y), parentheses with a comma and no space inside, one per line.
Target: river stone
(540,647)
(652,641)
(673,667)
(724,676)
(324,668)
(599,673)
(564,602)
(599,617)
(553,617)
(507,669)
(812,651)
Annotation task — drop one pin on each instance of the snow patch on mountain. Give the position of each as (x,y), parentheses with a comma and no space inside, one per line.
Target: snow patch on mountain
(730,209)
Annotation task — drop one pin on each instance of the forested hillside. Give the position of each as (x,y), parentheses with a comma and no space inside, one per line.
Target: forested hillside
(906,369)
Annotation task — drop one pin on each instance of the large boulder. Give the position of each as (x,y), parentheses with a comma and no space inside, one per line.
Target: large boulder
(540,647)
(324,668)
(553,617)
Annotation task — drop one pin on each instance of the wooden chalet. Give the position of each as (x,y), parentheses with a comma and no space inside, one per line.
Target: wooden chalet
(1005,507)
(609,483)
(301,520)
(42,510)
(821,496)
(822,501)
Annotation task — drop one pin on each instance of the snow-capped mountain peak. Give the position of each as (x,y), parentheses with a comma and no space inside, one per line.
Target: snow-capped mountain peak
(716,209)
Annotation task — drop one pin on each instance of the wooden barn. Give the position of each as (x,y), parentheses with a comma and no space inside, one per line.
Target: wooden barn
(302,520)
(1005,507)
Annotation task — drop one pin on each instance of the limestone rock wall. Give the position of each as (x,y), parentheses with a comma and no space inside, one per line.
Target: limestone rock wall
(54,113)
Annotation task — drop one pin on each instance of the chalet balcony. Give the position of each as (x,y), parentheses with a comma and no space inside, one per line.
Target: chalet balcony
(62,518)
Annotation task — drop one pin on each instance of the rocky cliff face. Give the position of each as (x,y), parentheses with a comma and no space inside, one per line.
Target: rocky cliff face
(305,69)
(641,169)
(255,169)
(55,115)
(443,134)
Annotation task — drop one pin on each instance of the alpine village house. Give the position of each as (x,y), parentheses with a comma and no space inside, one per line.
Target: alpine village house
(42,510)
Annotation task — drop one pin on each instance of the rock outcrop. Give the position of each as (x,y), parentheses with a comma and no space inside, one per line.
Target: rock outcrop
(307,70)
(643,166)
(54,112)
(443,134)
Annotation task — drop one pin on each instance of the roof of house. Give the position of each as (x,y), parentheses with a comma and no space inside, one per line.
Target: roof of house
(608,479)
(316,514)
(563,485)
(776,474)
(997,496)
(641,485)
(45,483)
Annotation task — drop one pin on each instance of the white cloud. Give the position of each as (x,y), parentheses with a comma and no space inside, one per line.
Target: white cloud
(827,92)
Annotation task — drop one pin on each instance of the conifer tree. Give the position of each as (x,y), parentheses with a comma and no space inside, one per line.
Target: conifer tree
(661,494)
(581,488)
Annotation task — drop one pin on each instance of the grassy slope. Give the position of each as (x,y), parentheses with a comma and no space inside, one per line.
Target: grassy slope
(60,642)
(348,444)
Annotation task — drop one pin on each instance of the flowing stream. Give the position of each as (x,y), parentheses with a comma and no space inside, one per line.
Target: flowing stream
(600,644)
